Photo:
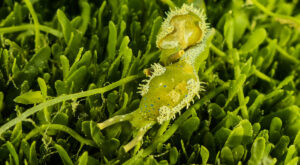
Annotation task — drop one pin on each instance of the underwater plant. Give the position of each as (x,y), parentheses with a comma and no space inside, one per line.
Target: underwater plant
(65,67)
(170,88)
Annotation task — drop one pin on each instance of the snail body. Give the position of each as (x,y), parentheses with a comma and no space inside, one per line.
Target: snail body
(167,93)
(168,90)
(173,82)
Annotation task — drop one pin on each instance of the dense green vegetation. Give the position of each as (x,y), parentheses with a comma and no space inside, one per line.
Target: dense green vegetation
(67,65)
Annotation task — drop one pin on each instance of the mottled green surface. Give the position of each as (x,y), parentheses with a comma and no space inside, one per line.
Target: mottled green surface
(51,51)
(168,89)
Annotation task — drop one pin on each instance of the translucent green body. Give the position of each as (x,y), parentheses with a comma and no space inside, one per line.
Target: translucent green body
(170,90)
(182,39)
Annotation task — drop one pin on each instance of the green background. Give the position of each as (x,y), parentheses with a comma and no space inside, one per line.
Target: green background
(51,51)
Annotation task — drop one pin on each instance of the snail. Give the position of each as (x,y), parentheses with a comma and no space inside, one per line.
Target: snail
(173,82)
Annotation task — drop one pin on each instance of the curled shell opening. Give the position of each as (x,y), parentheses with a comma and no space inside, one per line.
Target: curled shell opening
(182,28)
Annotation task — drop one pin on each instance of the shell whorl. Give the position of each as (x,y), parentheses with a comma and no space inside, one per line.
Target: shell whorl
(193,52)
(167,28)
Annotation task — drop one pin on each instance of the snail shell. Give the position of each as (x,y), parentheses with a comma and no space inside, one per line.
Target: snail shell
(182,28)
